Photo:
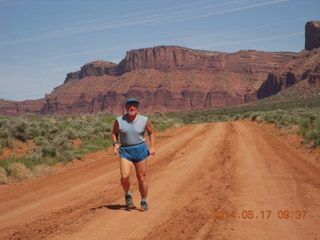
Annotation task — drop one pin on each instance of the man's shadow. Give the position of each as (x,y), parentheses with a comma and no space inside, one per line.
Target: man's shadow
(114,207)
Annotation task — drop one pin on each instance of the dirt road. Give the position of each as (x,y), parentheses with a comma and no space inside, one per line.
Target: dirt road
(233,180)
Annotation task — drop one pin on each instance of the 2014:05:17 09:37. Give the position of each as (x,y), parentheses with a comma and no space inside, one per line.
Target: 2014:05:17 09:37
(260,214)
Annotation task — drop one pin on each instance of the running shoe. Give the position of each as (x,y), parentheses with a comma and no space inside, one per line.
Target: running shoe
(129,202)
(144,206)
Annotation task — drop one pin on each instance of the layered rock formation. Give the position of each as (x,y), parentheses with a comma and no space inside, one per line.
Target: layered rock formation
(166,78)
(171,78)
(8,107)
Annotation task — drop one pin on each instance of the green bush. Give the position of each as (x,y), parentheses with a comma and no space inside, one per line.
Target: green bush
(34,131)
(70,133)
(48,150)
(19,131)
(6,142)
(40,140)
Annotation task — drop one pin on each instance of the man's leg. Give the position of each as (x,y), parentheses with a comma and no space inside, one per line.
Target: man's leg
(141,170)
(125,171)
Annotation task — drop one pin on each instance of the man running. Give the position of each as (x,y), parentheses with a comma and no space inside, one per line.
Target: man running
(133,150)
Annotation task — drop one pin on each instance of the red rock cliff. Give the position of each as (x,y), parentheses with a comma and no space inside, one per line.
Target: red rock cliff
(166,78)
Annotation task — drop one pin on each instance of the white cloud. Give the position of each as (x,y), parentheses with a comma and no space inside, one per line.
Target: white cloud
(184,14)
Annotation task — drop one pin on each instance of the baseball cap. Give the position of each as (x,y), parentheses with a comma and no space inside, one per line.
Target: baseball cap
(132,100)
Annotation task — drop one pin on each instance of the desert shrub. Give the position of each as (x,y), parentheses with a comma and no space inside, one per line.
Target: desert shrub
(79,124)
(4,133)
(65,156)
(101,129)
(37,158)
(70,133)
(40,140)
(19,131)
(316,142)
(104,135)
(3,176)
(61,142)
(305,123)
(77,154)
(237,117)
(41,170)
(52,132)
(43,126)
(258,116)
(34,131)
(20,172)
(34,159)
(47,150)
(313,134)
(81,134)
(6,142)
(161,122)
(3,123)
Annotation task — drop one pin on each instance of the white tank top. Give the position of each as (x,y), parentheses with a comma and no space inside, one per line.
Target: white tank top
(132,133)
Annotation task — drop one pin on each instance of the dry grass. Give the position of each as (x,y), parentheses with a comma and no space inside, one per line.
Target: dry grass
(41,170)
(291,129)
(20,172)
(3,176)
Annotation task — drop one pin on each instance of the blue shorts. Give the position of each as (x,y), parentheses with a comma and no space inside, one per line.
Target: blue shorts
(135,153)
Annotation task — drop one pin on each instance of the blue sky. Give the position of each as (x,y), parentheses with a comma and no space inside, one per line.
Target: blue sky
(42,40)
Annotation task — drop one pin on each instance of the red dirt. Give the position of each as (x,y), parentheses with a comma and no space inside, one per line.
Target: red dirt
(19,148)
(76,142)
(198,169)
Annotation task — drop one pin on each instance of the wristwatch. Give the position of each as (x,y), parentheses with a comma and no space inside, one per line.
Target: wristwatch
(114,143)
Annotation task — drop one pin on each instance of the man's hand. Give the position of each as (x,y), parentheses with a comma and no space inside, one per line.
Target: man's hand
(116,149)
(152,151)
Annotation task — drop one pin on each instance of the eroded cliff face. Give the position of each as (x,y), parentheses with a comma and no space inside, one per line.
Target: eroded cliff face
(304,66)
(166,78)
(96,68)
(21,107)
(171,78)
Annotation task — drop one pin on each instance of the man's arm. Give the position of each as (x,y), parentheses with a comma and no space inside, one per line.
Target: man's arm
(151,137)
(115,134)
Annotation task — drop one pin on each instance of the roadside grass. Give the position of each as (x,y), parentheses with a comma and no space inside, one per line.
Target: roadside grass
(159,137)
(53,135)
